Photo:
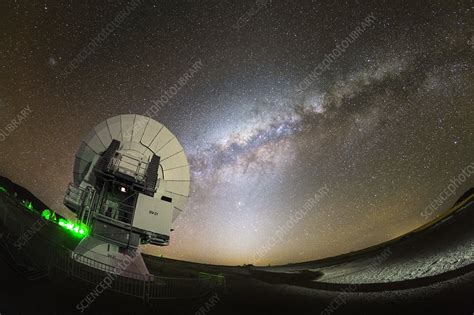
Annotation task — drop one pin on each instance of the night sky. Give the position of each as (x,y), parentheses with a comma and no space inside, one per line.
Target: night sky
(385,127)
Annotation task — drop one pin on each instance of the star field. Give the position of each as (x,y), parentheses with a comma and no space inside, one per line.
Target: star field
(384,128)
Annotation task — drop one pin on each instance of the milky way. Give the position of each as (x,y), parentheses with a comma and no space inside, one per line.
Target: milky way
(384,128)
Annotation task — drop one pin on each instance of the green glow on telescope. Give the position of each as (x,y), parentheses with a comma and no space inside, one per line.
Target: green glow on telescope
(78,230)
(46,214)
(28,205)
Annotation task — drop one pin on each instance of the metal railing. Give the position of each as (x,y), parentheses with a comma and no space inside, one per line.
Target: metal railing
(129,165)
(129,283)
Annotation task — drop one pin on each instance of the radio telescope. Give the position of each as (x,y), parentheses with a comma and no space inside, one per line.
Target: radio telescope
(131,182)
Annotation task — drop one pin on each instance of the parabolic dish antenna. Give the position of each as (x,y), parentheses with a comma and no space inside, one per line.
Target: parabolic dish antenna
(131,182)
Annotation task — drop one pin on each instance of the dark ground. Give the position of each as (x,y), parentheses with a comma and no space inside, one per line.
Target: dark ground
(429,272)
